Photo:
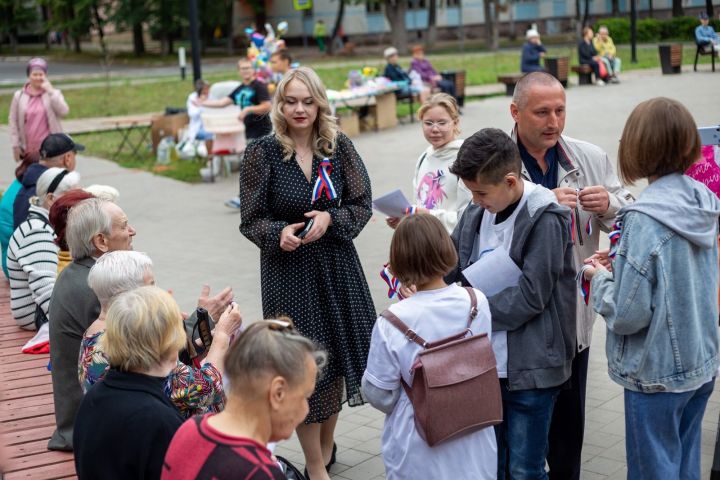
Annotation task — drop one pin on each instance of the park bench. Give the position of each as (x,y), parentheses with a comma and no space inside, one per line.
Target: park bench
(584,72)
(558,68)
(510,81)
(701,51)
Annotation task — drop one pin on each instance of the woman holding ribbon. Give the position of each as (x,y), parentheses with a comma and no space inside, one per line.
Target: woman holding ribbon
(308,174)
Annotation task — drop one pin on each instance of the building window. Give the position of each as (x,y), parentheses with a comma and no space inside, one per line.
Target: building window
(416,4)
(452,3)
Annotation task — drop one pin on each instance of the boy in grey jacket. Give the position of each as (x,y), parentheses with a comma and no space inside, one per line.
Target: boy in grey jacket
(534,331)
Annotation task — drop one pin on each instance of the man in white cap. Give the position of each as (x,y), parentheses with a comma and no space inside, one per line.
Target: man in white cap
(533,51)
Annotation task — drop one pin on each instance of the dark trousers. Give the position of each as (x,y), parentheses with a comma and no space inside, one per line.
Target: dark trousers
(567,428)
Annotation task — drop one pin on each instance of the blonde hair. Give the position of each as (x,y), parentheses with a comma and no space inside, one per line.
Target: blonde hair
(448,103)
(144,328)
(660,137)
(325,129)
(264,348)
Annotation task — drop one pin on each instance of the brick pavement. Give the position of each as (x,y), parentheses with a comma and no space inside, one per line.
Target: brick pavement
(193,238)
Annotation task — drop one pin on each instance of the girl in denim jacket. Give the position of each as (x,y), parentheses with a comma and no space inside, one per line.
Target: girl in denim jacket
(659,302)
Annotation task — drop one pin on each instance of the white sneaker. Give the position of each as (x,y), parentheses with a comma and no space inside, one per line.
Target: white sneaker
(599,83)
(233,203)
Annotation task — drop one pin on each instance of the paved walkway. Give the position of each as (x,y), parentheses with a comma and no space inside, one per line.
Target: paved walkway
(193,238)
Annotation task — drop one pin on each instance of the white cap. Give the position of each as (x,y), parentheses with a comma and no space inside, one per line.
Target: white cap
(389,52)
(531,33)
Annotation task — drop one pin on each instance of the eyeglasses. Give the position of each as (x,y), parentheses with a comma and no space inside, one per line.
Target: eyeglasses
(440,124)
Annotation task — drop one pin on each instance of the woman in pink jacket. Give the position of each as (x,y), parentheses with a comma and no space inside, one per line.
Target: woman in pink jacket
(35,111)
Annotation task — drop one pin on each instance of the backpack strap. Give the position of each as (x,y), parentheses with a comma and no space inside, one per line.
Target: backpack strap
(473,305)
(409,333)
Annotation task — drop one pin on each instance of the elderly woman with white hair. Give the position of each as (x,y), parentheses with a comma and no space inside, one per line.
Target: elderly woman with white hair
(192,390)
(532,53)
(125,423)
(32,255)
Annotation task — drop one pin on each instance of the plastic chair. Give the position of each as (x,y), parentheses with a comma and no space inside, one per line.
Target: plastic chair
(229,134)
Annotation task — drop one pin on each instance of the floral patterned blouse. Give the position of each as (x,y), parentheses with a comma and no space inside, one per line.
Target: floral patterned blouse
(194,391)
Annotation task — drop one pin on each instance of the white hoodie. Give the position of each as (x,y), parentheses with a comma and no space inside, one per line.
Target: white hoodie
(438,190)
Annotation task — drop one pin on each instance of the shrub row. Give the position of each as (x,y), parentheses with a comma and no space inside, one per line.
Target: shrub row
(652,30)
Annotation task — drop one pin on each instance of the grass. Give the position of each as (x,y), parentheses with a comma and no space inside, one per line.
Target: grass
(104,145)
(134,96)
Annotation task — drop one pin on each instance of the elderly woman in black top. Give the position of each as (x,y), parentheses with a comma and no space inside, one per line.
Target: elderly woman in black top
(125,423)
(308,174)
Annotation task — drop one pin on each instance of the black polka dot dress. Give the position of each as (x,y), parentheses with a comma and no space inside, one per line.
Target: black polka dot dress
(321,285)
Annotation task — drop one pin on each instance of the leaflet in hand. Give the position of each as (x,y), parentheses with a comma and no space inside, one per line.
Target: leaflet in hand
(393,204)
(493,272)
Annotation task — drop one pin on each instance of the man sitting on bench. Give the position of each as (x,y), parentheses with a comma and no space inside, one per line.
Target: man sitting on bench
(705,35)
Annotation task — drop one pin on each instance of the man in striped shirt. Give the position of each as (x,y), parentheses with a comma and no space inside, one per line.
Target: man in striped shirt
(32,253)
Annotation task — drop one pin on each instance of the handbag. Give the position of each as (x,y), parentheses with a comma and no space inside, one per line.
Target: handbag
(455,387)
(290,470)
(602,68)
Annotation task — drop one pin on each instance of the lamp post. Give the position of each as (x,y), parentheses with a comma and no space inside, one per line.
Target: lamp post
(633,32)
(195,40)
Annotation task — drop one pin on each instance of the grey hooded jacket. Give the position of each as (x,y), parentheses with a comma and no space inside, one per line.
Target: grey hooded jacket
(539,313)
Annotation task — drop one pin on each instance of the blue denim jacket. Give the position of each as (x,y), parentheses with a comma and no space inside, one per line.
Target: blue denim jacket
(660,303)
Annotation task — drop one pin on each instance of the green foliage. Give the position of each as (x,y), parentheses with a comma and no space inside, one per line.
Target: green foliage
(651,30)
(14,15)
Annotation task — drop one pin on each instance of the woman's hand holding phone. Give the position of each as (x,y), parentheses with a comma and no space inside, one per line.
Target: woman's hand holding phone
(288,241)
(321,222)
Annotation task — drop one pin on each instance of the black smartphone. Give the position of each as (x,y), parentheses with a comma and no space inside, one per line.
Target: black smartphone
(203,324)
(302,233)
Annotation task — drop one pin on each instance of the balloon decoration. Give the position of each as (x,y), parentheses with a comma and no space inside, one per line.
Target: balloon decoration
(263,46)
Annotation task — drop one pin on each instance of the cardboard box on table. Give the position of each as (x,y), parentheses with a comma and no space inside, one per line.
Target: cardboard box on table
(167,125)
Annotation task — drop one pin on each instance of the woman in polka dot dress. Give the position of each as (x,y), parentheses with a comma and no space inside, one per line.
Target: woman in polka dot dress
(308,170)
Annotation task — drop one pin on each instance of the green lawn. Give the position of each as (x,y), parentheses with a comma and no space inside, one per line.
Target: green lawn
(128,98)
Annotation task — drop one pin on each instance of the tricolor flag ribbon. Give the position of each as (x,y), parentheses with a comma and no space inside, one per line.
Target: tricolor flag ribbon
(411,210)
(614,238)
(588,227)
(323,184)
(584,284)
(392,282)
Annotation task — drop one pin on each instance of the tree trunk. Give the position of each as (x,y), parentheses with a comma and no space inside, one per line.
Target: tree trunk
(336,28)
(709,8)
(432,24)
(489,25)
(12,36)
(677,9)
(76,43)
(395,13)
(46,22)
(652,10)
(586,14)
(578,23)
(229,28)
(511,19)
(138,41)
(615,8)
(100,25)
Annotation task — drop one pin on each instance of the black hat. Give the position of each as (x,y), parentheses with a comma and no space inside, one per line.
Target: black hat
(703,16)
(57,144)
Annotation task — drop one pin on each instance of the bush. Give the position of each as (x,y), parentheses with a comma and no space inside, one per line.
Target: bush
(619,28)
(648,30)
(651,30)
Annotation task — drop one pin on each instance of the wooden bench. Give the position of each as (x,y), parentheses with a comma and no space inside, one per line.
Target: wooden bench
(585,73)
(510,81)
(558,67)
(26,407)
(458,78)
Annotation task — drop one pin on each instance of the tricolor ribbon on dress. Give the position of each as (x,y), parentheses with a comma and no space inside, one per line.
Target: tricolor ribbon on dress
(323,184)
(614,237)
(583,283)
(392,282)
(588,227)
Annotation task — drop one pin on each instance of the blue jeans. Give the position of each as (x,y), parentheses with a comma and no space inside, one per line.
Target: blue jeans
(522,438)
(663,433)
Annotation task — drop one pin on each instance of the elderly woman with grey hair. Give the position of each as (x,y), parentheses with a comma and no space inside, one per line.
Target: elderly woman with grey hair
(191,390)
(32,255)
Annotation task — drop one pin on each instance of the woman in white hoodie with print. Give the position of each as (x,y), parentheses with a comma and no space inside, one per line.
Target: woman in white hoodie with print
(435,189)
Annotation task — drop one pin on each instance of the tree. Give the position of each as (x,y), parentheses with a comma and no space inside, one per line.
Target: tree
(709,8)
(431,37)
(338,25)
(130,15)
(165,20)
(491,35)
(395,14)
(15,15)
(615,8)
(677,8)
